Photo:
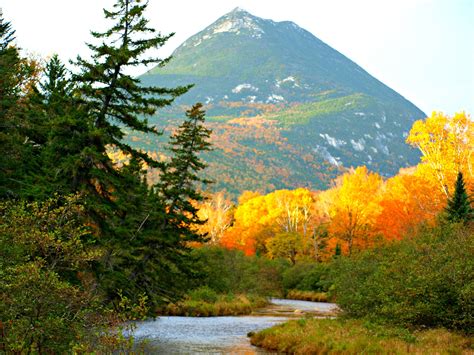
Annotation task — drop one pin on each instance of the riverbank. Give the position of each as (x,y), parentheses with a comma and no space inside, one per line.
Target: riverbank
(215,305)
(304,336)
(307,296)
(223,335)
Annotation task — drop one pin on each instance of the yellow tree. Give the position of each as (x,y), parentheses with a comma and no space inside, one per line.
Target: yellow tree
(294,213)
(354,208)
(217,212)
(447,145)
(260,218)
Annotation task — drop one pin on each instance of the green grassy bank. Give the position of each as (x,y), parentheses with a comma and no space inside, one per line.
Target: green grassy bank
(338,336)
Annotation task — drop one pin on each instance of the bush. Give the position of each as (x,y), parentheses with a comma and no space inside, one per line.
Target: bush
(203,293)
(224,305)
(307,277)
(423,281)
(230,271)
(48,297)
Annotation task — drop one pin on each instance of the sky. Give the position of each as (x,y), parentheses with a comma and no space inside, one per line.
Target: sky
(423,49)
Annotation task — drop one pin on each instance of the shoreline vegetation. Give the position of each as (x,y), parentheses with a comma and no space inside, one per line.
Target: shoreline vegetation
(204,302)
(413,296)
(349,336)
(312,296)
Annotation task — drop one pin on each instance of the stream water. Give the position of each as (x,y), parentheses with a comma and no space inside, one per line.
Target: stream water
(219,335)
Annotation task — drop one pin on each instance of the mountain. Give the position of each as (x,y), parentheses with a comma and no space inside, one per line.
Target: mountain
(287,110)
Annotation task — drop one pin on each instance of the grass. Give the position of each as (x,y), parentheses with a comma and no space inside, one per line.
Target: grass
(340,336)
(307,296)
(209,304)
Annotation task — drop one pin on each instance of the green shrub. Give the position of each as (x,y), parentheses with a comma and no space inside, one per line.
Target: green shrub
(223,306)
(230,271)
(307,277)
(427,280)
(48,300)
(204,294)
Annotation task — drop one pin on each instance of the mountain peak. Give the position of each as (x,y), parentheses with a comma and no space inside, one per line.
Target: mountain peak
(238,10)
(238,21)
(286,109)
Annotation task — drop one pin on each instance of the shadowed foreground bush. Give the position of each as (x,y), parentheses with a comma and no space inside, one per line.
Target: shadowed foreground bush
(48,300)
(323,336)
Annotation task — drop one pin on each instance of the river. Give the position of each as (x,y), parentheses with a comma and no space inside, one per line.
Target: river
(220,335)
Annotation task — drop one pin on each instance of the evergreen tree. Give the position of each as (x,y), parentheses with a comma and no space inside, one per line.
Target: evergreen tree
(116,101)
(69,155)
(164,265)
(337,251)
(143,232)
(180,178)
(9,59)
(459,207)
(18,138)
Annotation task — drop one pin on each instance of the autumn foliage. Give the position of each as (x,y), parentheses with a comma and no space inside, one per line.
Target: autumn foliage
(361,210)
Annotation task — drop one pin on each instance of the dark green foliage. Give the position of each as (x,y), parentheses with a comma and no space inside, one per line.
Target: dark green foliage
(459,207)
(115,101)
(225,271)
(307,277)
(18,137)
(203,293)
(179,179)
(427,280)
(159,249)
(67,154)
(46,302)
(114,98)
(142,230)
(337,251)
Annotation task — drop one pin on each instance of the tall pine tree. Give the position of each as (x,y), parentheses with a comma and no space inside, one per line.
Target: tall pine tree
(145,244)
(18,136)
(163,266)
(116,102)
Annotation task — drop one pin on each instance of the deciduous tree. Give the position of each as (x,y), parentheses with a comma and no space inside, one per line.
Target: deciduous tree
(354,208)
(447,146)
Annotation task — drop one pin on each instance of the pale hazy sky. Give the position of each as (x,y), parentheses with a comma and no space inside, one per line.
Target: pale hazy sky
(424,49)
